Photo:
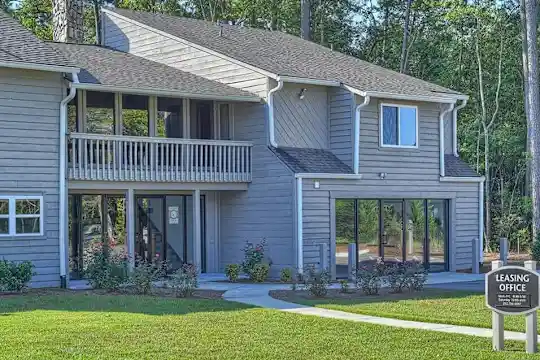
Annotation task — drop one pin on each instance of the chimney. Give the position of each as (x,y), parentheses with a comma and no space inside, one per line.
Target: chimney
(304,20)
(68,21)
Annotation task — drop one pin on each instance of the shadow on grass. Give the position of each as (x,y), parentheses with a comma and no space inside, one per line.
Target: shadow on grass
(334,296)
(90,302)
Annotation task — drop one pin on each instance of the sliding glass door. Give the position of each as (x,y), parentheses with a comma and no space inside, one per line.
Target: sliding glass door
(393,229)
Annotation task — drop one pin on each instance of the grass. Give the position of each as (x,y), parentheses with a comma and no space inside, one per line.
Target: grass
(430,305)
(87,326)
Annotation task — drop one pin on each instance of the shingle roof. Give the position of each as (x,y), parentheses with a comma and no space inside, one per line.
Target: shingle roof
(302,160)
(455,167)
(104,66)
(19,45)
(287,55)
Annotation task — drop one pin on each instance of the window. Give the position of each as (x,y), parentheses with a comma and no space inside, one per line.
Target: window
(21,215)
(399,126)
(225,131)
(170,118)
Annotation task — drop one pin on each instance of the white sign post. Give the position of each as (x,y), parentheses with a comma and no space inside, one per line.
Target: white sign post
(513,290)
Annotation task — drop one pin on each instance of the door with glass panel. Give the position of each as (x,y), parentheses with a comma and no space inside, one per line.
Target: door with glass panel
(392,230)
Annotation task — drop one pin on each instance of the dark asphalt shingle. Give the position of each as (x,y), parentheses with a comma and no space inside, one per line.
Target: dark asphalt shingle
(455,167)
(108,67)
(17,44)
(302,160)
(287,55)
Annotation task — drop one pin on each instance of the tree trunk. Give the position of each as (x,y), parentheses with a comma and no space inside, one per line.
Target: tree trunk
(405,37)
(533,108)
(97,17)
(525,91)
(487,185)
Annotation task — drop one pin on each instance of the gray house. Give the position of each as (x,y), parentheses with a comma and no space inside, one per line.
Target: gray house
(182,139)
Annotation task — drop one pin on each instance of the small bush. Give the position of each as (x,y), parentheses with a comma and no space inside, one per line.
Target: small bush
(232,271)
(535,249)
(259,273)
(297,282)
(145,273)
(409,275)
(254,255)
(416,275)
(14,276)
(317,282)
(106,269)
(368,280)
(396,277)
(344,286)
(286,275)
(184,281)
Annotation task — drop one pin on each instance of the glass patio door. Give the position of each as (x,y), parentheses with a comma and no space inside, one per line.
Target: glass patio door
(392,230)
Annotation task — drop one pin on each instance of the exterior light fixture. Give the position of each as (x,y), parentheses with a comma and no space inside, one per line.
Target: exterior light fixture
(382,175)
(316,184)
(302,93)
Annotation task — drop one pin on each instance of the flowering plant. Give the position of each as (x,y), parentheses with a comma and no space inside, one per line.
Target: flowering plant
(253,256)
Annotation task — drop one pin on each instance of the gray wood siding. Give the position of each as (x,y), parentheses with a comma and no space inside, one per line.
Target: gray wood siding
(130,37)
(266,210)
(464,219)
(448,131)
(301,122)
(29,159)
(341,115)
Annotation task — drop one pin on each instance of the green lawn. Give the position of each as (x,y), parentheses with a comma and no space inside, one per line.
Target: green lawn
(445,307)
(87,326)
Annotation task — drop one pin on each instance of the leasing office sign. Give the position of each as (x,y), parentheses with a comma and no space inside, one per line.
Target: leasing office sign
(512,290)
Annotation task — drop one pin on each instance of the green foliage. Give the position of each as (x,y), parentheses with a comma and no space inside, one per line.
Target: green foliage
(144,274)
(14,276)
(316,282)
(232,271)
(535,250)
(253,256)
(286,275)
(184,281)
(409,275)
(259,272)
(106,269)
(344,286)
(367,280)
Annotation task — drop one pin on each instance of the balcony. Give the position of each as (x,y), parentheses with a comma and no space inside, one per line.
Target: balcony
(125,158)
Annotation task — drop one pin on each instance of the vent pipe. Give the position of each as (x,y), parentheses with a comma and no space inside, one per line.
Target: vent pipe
(304,20)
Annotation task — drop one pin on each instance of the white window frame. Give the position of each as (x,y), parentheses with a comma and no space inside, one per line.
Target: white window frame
(12,215)
(381,125)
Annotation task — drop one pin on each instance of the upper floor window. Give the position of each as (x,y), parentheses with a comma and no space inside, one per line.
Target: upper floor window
(21,215)
(399,126)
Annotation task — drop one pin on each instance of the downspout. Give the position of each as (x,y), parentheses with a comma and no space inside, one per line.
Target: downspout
(62,181)
(271,123)
(356,144)
(441,138)
(299,226)
(481,221)
(454,129)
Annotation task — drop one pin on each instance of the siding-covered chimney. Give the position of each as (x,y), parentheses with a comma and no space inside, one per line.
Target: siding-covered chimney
(68,21)
(304,19)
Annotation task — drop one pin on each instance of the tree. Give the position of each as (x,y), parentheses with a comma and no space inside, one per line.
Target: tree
(533,107)
(402,66)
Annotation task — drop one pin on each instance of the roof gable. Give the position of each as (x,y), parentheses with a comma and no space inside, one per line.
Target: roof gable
(108,67)
(287,55)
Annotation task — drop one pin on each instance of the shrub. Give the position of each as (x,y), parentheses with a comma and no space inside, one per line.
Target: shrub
(297,281)
(416,275)
(14,276)
(317,282)
(253,255)
(344,286)
(259,273)
(286,275)
(409,275)
(184,281)
(232,271)
(535,249)
(106,269)
(145,273)
(368,280)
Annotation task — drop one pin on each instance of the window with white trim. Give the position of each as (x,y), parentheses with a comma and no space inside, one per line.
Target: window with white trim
(399,126)
(21,215)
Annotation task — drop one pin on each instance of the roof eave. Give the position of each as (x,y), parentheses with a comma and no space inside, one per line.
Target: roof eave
(164,92)
(387,95)
(39,67)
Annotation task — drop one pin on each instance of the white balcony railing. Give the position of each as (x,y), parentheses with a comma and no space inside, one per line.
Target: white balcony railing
(127,158)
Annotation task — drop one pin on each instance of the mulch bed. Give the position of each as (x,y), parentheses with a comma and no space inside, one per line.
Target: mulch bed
(298,295)
(156,292)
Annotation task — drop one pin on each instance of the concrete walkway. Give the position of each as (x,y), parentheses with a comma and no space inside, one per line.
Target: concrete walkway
(257,295)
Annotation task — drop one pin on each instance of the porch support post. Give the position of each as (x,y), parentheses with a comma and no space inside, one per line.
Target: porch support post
(152,115)
(197,229)
(130,226)
(299,226)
